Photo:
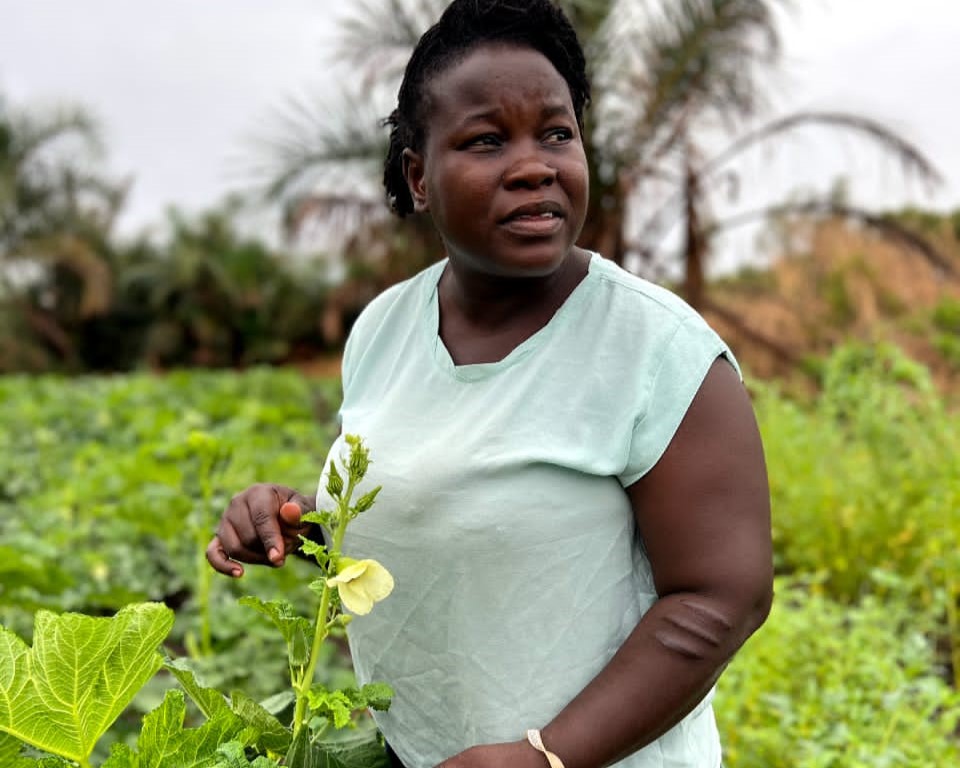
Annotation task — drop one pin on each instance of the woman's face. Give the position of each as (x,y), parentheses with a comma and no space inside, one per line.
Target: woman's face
(503,171)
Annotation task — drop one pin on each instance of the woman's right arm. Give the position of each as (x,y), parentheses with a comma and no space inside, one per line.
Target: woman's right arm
(253,529)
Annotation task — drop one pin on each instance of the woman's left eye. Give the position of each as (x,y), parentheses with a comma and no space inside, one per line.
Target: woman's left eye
(559,135)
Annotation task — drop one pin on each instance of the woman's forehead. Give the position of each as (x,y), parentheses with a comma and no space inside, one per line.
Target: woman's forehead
(491,74)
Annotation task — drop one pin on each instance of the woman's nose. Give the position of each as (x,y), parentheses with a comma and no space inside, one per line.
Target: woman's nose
(529,172)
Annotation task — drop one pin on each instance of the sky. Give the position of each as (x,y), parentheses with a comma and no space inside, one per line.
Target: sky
(181,86)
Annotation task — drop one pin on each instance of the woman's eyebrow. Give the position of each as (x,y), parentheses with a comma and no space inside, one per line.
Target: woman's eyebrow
(476,117)
(490,115)
(555,110)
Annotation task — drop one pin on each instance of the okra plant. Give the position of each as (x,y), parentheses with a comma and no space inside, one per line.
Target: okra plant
(61,695)
(344,582)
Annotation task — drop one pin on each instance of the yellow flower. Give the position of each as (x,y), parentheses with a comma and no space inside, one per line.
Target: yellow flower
(361,583)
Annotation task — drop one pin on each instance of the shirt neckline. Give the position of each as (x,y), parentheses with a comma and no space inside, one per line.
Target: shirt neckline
(478,371)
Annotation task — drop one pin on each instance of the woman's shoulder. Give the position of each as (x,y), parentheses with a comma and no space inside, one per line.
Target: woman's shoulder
(630,293)
(402,297)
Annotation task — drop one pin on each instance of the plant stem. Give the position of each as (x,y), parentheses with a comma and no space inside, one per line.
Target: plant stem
(321,629)
(203,600)
(953,630)
(203,569)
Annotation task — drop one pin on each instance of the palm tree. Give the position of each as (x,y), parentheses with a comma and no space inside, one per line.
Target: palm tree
(670,80)
(212,296)
(55,218)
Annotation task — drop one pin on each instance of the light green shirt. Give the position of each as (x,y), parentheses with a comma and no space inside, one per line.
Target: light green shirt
(503,516)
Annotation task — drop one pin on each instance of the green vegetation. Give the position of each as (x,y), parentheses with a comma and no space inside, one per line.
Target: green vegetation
(63,693)
(825,684)
(858,663)
(109,485)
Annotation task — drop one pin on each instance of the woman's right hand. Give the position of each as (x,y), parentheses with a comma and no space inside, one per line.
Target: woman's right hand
(261,526)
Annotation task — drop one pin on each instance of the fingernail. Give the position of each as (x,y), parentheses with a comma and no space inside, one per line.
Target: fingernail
(236,573)
(274,554)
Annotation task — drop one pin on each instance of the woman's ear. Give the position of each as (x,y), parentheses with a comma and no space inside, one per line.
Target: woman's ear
(414,173)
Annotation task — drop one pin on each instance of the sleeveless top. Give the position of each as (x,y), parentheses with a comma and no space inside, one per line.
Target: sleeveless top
(503,516)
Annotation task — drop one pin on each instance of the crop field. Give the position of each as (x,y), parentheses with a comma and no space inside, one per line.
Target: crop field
(110,489)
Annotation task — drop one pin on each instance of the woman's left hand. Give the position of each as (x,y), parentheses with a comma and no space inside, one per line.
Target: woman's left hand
(514,754)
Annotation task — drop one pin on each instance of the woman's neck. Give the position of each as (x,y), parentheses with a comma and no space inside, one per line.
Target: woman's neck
(483,318)
(487,301)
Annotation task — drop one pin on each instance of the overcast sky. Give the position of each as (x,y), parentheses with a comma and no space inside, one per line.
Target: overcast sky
(180,85)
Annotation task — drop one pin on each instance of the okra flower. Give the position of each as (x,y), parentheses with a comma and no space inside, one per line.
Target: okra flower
(361,583)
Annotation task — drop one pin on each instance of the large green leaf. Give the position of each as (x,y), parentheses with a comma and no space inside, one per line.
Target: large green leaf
(364,751)
(272,735)
(9,749)
(62,694)
(164,742)
(267,732)
(295,629)
(208,700)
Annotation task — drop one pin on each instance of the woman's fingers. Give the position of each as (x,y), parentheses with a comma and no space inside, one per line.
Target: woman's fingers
(236,548)
(218,559)
(267,525)
(290,513)
(261,525)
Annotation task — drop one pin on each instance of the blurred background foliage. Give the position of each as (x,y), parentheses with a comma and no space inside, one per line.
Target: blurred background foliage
(680,94)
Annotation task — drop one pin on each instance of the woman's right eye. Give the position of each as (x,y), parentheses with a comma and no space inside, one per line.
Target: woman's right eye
(482,141)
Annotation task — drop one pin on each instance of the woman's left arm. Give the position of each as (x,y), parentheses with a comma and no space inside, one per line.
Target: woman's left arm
(703,512)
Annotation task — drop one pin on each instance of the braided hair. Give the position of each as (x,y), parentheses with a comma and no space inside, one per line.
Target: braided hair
(464,25)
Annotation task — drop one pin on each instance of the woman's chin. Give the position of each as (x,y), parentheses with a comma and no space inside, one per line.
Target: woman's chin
(531,262)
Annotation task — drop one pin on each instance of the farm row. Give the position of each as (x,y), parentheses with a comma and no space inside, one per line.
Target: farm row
(110,489)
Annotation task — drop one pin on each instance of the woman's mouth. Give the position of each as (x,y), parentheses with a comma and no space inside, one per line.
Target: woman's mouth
(539,220)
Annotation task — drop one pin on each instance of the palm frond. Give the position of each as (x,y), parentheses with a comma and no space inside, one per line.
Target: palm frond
(35,131)
(342,215)
(889,228)
(307,150)
(77,256)
(379,35)
(912,160)
(689,60)
(588,16)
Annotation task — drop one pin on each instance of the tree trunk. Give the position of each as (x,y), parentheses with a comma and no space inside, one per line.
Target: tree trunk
(695,243)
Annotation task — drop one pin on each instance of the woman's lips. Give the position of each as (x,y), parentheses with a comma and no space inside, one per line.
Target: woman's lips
(536,225)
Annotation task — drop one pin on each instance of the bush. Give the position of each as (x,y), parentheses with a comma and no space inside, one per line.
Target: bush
(824,685)
(861,479)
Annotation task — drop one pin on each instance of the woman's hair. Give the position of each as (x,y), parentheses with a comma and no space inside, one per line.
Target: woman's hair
(464,25)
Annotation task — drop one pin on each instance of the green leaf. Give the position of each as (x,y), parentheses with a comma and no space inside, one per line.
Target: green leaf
(9,749)
(121,756)
(278,702)
(263,728)
(316,550)
(377,696)
(336,706)
(295,629)
(208,700)
(320,517)
(233,755)
(272,735)
(302,753)
(62,694)
(366,751)
(164,742)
